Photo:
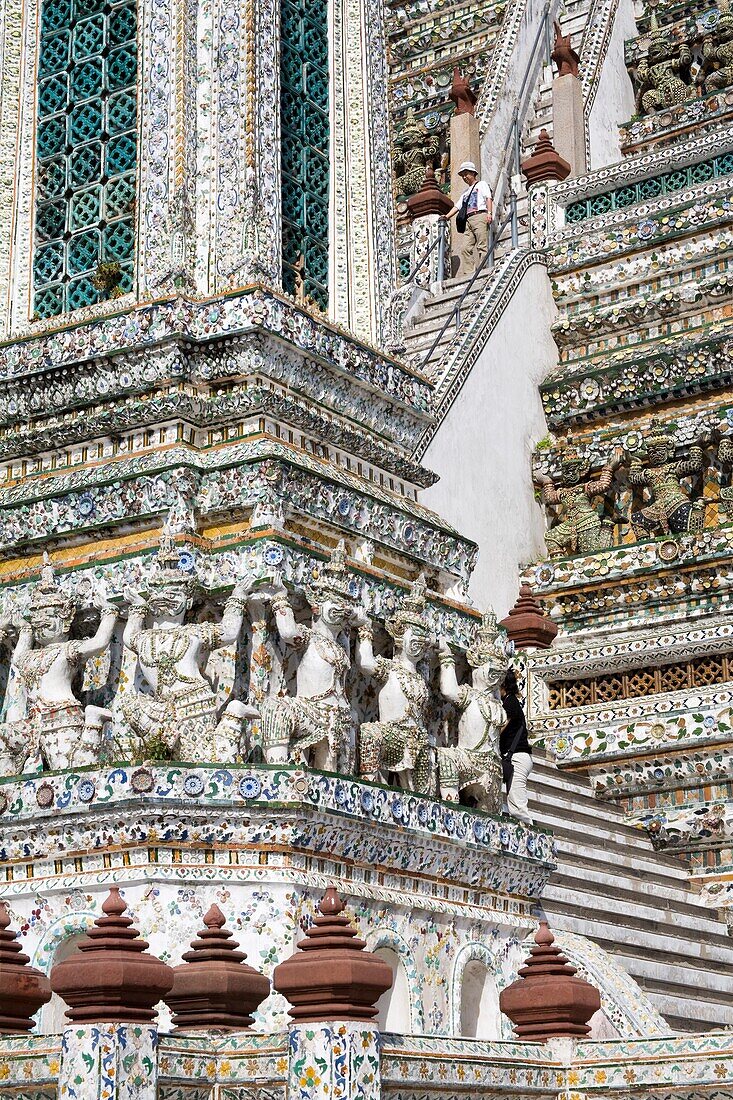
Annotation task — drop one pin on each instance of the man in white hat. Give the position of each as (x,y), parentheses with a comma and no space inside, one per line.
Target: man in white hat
(476,207)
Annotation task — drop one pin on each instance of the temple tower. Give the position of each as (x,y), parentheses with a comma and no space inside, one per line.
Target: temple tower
(153,149)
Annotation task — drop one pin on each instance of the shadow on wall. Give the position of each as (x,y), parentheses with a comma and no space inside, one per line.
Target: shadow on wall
(393,1007)
(53,1015)
(479,1018)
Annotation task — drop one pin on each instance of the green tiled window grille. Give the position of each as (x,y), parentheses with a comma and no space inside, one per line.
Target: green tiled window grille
(86,153)
(304,117)
(649,189)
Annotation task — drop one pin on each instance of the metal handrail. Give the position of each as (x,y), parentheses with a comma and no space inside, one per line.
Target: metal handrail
(439,242)
(506,170)
(488,261)
(511,154)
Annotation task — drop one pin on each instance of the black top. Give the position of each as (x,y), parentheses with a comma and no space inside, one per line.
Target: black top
(516,725)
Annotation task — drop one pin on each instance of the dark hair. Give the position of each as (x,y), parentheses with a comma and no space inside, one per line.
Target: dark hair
(510,685)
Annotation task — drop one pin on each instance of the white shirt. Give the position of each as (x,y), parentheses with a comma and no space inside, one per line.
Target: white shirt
(480,198)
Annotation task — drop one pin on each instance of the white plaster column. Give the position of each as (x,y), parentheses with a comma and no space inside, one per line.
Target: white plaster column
(109,1062)
(568,122)
(20,31)
(334,1061)
(465,144)
(164,74)
(361,249)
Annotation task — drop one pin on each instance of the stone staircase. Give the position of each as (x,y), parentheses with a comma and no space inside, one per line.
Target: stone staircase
(614,889)
(420,335)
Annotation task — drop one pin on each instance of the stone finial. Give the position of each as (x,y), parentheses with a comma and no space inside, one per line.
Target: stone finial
(545,162)
(547,1000)
(214,987)
(332,976)
(563,53)
(527,625)
(113,979)
(23,989)
(462,94)
(429,199)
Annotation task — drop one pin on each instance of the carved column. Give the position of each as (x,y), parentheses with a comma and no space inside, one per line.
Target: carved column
(112,986)
(465,144)
(260,670)
(333,985)
(426,208)
(568,120)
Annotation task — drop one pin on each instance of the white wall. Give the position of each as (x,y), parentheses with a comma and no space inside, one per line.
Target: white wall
(479,1003)
(393,1007)
(482,450)
(614,99)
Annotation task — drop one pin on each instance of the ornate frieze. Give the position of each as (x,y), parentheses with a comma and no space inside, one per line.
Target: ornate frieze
(675,123)
(633,376)
(648,188)
(640,682)
(703,146)
(228,477)
(148,326)
(468,846)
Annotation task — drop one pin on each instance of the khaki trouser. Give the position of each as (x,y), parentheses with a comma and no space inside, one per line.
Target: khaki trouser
(475,243)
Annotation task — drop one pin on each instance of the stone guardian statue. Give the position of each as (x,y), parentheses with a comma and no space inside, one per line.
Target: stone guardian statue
(663,76)
(580,530)
(51,724)
(473,766)
(315,727)
(399,742)
(180,714)
(655,468)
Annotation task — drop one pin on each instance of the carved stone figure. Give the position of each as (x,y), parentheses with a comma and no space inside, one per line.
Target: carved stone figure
(399,742)
(414,148)
(717,50)
(180,715)
(50,724)
(473,766)
(580,530)
(563,53)
(663,76)
(655,468)
(315,727)
(725,455)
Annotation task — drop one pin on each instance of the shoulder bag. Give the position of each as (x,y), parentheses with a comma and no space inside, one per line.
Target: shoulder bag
(462,215)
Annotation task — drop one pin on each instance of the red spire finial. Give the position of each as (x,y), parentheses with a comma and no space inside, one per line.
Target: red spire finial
(429,199)
(545,163)
(214,987)
(526,624)
(214,918)
(462,94)
(331,904)
(114,978)
(547,999)
(332,976)
(23,989)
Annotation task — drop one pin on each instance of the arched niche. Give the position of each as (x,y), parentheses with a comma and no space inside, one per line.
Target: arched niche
(52,1019)
(393,1007)
(477,980)
(478,1015)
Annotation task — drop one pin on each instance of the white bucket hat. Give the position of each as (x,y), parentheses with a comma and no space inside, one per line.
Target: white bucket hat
(467,166)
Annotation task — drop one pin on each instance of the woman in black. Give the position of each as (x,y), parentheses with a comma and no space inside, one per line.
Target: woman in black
(516,752)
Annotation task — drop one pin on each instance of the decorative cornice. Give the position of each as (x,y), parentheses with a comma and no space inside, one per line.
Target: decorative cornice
(701,147)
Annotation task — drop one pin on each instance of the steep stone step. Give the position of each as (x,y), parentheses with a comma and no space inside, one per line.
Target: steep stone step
(612,888)
(638,925)
(597,879)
